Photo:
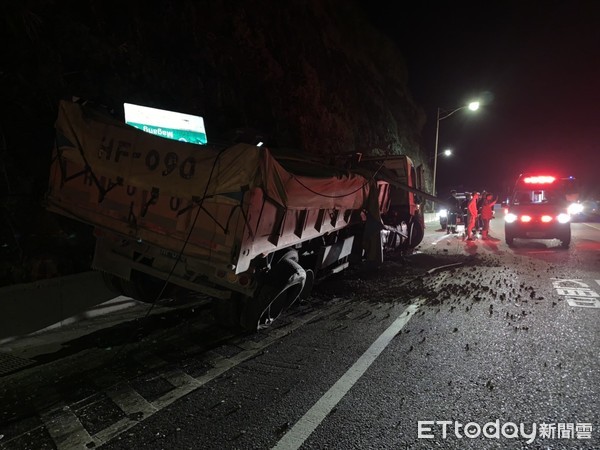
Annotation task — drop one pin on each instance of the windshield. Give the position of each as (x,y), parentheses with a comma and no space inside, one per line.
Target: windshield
(538,196)
(557,192)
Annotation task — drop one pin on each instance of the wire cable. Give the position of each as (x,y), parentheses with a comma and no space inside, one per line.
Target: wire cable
(180,254)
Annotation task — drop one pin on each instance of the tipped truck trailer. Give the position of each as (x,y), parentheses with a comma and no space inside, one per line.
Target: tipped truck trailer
(232,223)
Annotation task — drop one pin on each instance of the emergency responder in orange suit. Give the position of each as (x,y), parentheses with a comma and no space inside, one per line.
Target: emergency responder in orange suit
(487,213)
(472,215)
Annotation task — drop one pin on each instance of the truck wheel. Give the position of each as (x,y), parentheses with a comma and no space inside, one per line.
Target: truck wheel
(284,285)
(308,285)
(415,234)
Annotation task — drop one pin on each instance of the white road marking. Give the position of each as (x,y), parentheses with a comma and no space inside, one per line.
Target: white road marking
(131,402)
(66,430)
(583,302)
(445,236)
(296,436)
(577,293)
(592,226)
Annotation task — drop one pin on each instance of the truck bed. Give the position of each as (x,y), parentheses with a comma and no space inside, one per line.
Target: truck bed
(222,207)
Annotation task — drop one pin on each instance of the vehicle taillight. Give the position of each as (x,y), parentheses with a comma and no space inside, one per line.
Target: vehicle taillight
(510,217)
(525,218)
(546,219)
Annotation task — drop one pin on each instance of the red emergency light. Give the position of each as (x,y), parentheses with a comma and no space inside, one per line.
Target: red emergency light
(542,179)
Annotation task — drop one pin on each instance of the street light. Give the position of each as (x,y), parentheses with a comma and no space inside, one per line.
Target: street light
(473,106)
(447,153)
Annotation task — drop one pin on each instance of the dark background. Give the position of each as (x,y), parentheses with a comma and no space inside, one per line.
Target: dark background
(319,76)
(311,75)
(534,64)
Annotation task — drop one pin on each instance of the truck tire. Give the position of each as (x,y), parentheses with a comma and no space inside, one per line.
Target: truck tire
(284,284)
(308,285)
(415,234)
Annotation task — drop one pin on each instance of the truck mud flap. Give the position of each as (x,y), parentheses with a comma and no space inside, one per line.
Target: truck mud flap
(284,284)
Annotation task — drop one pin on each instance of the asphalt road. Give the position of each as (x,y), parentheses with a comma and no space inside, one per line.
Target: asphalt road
(462,345)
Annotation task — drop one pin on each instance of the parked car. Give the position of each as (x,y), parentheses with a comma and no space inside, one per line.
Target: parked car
(585,211)
(591,210)
(444,216)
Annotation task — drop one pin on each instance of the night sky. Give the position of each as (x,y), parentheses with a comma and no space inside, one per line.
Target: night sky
(534,64)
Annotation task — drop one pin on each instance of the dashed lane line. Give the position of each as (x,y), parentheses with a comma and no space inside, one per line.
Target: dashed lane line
(130,401)
(68,432)
(138,408)
(135,407)
(65,429)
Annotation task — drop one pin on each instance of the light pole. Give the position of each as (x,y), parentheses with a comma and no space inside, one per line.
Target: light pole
(473,106)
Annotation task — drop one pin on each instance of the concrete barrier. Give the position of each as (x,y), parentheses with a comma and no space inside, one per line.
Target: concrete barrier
(26,308)
(430,217)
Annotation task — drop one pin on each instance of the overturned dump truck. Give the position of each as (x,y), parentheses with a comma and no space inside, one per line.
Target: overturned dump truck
(249,229)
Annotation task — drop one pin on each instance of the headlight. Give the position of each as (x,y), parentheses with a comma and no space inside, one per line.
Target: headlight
(510,217)
(443,213)
(575,208)
(563,218)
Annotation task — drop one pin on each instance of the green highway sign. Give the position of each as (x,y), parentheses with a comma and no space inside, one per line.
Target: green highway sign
(191,136)
(166,124)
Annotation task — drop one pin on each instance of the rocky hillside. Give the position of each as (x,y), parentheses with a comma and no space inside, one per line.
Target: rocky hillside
(306,74)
